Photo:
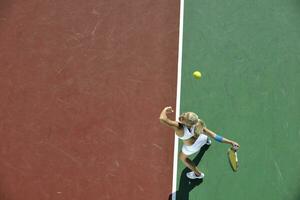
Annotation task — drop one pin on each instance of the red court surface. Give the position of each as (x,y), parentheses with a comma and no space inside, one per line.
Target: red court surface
(82,85)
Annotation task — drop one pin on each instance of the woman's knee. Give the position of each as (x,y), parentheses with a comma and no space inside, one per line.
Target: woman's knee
(182,156)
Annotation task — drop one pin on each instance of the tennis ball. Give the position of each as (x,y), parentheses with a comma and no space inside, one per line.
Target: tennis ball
(197,74)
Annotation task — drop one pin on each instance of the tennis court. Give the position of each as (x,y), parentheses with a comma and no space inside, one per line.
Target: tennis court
(83,82)
(248,53)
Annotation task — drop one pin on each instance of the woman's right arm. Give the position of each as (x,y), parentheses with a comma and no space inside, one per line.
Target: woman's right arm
(165,120)
(220,138)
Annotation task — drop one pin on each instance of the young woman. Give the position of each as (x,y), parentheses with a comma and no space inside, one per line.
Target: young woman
(194,134)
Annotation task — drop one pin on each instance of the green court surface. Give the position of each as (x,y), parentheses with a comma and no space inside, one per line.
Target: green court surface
(249,56)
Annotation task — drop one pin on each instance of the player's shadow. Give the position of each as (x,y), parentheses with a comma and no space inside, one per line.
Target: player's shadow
(186,185)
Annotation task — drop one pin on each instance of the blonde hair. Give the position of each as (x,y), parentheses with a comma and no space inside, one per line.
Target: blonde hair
(193,119)
(190,117)
(202,123)
(199,129)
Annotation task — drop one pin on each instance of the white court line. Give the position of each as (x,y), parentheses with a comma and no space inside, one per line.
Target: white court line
(175,159)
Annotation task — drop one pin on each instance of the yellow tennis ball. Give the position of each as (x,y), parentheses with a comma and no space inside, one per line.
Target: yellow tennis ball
(197,74)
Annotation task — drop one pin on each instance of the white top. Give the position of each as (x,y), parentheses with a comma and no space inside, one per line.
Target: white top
(187,134)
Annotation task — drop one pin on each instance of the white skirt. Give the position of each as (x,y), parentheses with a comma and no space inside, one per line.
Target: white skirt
(194,148)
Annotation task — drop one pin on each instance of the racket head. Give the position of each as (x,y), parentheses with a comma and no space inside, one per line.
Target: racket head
(233,159)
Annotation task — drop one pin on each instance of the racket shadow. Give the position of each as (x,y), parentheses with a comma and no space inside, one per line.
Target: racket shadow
(186,185)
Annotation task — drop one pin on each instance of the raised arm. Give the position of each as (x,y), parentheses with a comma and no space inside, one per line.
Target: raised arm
(220,138)
(165,120)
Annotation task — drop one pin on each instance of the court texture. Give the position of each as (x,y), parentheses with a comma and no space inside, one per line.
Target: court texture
(83,83)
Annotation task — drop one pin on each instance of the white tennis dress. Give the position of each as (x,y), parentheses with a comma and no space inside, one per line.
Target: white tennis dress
(194,148)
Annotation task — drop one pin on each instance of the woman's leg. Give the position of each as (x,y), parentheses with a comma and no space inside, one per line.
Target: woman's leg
(189,163)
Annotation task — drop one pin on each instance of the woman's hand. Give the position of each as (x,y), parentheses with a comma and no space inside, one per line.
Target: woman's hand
(169,109)
(235,145)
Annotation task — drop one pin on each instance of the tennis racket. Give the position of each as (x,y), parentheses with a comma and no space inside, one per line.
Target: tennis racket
(233,159)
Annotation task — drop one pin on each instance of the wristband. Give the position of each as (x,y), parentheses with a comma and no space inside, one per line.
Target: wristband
(219,138)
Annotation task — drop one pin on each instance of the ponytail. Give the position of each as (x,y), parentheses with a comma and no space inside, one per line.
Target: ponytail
(199,127)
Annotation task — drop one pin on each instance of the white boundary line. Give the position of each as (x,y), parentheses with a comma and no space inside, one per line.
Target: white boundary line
(175,159)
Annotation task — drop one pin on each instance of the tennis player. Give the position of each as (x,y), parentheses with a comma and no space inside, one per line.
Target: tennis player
(194,134)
